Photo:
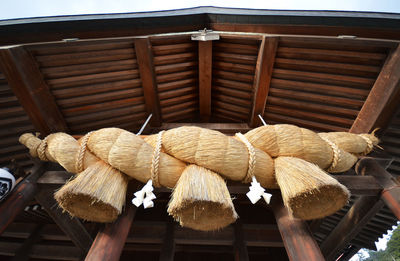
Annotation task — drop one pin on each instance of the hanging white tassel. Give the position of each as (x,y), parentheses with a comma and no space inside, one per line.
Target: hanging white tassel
(145,196)
(256,192)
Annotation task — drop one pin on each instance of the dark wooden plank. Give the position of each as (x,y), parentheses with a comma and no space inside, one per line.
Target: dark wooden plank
(262,78)
(384,92)
(25,79)
(22,194)
(351,224)
(205,79)
(240,248)
(168,247)
(297,238)
(72,227)
(147,74)
(109,242)
(23,251)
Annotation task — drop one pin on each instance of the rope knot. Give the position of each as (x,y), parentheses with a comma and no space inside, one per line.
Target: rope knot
(155,162)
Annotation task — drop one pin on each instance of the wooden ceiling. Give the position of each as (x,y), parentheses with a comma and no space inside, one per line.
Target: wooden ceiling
(313,79)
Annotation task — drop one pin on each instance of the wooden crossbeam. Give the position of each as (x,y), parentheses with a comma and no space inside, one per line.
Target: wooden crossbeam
(297,238)
(383,97)
(262,78)
(358,216)
(205,79)
(144,55)
(391,187)
(27,83)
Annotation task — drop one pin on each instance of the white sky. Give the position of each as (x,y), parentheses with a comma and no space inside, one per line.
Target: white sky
(33,8)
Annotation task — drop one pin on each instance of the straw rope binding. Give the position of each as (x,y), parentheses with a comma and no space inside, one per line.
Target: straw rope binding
(336,154)
(155,162)
(42,149)
(370,145)
(81,153)
(252,157)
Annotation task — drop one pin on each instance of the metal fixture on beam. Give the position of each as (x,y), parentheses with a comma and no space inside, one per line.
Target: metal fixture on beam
(205,35)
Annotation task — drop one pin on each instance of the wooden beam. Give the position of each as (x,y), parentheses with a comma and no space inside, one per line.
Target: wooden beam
(240,247)
(23,251)
(262,78)
(297,238)
(384,92)
(26,81)
(144,55)
(22,194)
(168,247)
(391,192)
(205,79)
(358,216)
(71,226)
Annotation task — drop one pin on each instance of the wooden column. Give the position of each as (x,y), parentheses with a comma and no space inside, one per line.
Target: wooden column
(22,253)
(22,194)
(110,241)
(144,55)
(27,83)
(297,238)
(168,247)
(205,79)
(385,91)
(391,187)
(240,247)
(262,79)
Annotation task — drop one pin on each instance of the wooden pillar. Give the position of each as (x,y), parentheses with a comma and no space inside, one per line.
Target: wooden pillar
(22,253)
(168,247)
(22,194)
(240,248)
(144,55)
(27,83)
(262,78)
(391,187)
(110,241)
(297,238)
(379,101)
(205,79)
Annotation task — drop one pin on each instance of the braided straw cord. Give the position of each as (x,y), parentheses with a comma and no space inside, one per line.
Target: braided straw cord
(42,149)
(81,153)
(252,157)
(370,145)
(336,154)
(155,162)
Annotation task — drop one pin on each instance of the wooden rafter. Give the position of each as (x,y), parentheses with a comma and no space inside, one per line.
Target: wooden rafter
(144,57)
(27,83)
(262,78)
(380,101)
(205,79)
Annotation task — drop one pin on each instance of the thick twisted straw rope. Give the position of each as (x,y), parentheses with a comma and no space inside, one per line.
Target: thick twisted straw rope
(370,145)
(155,162)
(41,151)
(252,157)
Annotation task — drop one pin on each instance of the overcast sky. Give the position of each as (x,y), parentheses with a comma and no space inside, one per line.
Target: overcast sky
(33,8)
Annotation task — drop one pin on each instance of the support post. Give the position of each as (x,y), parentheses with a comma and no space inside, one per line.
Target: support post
(205,79)
(262,79)
(27,83)
(297,238)
(168,247)
(144,57)
(241,253)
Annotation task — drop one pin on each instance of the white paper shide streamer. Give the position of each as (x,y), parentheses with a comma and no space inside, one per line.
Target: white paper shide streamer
(256,192)
(145,196)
